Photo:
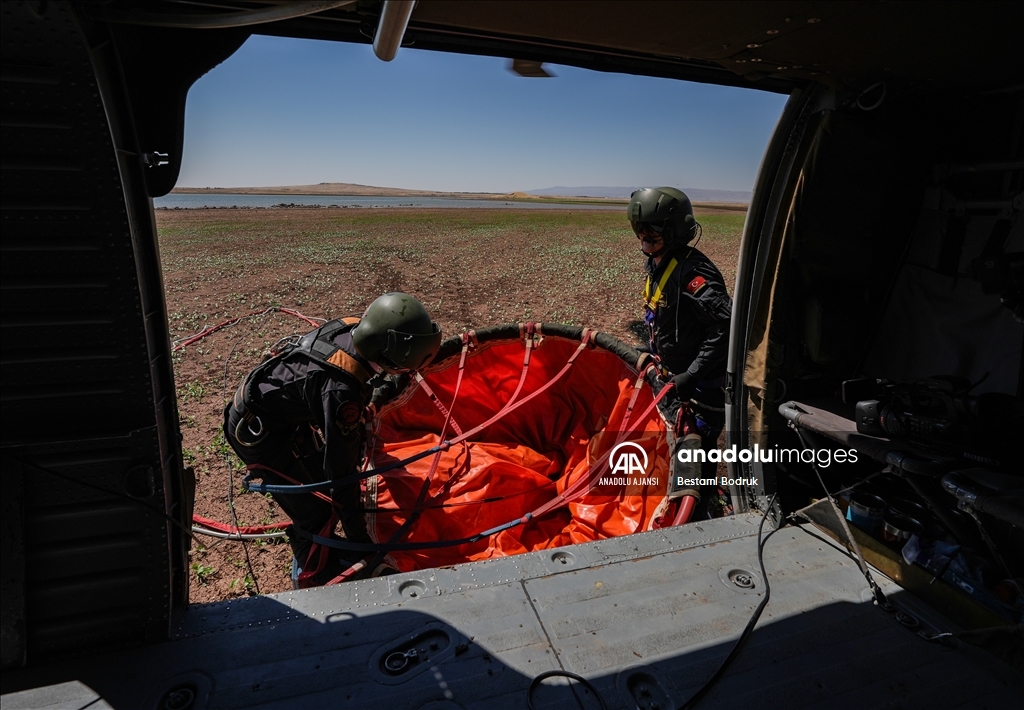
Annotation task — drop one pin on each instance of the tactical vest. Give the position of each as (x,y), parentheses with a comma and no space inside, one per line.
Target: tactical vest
(319,345)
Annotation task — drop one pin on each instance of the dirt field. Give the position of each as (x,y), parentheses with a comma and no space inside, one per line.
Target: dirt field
(471,267)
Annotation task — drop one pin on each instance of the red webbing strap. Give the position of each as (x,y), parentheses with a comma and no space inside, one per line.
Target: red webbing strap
(309,320)
(404,528)
(437,400)
(234,321)
(509,408)
(323,551)
(231,529)
(636,393)
(455,397)
(583,484)
(528,332)
(350,572)
(466,342)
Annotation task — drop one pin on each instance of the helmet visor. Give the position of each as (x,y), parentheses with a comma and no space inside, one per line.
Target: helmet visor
(408,351)
(648,229)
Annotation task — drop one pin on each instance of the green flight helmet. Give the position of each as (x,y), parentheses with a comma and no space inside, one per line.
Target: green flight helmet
(667,210)
(397,333)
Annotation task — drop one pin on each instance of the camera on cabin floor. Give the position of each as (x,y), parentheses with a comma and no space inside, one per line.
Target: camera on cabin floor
(937,413)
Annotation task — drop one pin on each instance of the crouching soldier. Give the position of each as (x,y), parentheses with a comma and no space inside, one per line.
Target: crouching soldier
(298,418)
(687,311)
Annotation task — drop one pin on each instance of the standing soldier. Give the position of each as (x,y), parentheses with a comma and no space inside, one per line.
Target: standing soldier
(687,311)
(298,417)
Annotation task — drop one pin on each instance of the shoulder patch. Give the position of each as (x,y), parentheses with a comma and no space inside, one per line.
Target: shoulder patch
(698,284)
(348,415)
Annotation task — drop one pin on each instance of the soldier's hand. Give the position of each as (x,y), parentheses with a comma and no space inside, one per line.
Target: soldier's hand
(684,385)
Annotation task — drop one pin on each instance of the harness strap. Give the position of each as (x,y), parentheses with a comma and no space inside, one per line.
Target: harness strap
(349,364)
(651,300)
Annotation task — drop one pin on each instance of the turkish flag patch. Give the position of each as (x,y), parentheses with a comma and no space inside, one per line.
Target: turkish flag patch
(695,286)
(348,414)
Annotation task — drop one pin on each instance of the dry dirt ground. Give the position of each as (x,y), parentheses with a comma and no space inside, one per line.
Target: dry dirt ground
(471,267)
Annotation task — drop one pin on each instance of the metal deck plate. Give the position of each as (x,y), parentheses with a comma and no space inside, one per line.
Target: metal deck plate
(646,618)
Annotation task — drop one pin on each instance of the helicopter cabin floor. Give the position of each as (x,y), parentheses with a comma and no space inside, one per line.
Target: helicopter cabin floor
(646,619)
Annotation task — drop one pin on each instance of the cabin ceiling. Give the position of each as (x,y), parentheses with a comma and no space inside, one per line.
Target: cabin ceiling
(770,45)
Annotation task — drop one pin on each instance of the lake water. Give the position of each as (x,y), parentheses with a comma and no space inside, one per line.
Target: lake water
(348,201)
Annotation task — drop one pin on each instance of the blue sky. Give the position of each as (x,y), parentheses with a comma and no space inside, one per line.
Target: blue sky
(287,112)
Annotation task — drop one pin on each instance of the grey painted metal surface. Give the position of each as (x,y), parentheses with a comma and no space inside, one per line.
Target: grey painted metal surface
(646,618)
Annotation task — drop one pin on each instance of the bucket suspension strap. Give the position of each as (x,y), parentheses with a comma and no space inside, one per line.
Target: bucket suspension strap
(428,390)
(582,485)
(637,386)
(586,342)
(320,552)
(528,332)
(417,510)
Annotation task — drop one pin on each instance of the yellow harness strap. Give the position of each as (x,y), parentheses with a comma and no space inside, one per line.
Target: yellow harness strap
(651,300)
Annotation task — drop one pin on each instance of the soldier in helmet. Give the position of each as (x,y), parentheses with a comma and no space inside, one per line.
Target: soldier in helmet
(299,414)
(687,311)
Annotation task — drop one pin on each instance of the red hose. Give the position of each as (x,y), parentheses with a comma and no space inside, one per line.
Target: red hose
(685,510)
(231,530)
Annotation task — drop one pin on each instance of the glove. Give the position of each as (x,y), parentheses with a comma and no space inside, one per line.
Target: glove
(684,386)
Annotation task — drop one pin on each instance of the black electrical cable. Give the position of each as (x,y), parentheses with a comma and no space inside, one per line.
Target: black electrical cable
(395,546)
(696,697)
(330,483)
(101,489)
(566,674)
(876,591)
(227,462)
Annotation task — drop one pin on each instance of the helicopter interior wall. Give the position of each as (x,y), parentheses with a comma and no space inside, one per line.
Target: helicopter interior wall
(853,210)
(944,324)
(842,303)
(939,320)
(867,283)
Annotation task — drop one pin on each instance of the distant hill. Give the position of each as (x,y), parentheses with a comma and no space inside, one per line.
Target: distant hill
(695,194)
(333,188)
(551,194)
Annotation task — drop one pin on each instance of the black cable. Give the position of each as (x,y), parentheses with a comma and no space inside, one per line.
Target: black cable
(566,674)
(876,591)
(395,546)
(330,483)
(227,464)
(101,489)
(696,697)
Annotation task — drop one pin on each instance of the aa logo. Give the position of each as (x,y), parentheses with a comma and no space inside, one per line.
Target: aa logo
(628,459)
